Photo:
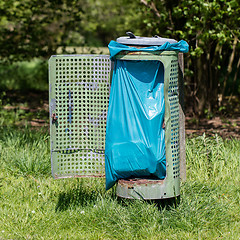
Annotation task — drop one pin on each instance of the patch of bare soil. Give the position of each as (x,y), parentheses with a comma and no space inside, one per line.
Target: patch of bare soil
(224,127)
(31,107)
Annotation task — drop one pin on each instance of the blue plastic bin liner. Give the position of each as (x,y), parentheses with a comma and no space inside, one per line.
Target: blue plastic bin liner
(135,144)
(115,48)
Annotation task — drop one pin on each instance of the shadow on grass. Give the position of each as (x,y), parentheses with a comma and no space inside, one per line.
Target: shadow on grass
(82,195)
(168,203)
(161,204)
(79,195)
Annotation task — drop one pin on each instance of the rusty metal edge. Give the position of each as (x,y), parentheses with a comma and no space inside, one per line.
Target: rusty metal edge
(79,176)
(139,181)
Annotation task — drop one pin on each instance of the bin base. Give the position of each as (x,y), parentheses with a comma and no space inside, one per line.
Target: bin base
(145,189)
(167,203)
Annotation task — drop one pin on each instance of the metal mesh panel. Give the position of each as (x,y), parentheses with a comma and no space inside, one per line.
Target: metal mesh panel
(174,113)
(79,92)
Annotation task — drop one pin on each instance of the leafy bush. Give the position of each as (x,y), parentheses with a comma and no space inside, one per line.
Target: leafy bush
(24,75)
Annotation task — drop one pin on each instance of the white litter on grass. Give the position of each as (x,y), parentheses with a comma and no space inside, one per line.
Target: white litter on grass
(82,212)
(33,211)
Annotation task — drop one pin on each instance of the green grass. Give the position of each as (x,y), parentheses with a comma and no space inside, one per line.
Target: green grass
(35,206)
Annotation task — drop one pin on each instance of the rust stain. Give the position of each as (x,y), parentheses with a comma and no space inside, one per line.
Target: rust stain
(89,176)
(79,176)
(138,181)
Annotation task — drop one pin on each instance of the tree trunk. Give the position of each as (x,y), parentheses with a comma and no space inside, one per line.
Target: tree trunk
(201,76)
(229,69)
(235,76)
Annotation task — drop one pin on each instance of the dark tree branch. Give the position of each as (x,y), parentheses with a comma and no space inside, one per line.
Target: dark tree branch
(152,6)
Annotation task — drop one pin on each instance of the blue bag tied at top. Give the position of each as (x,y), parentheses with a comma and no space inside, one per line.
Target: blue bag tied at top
(115,48)
(135,137)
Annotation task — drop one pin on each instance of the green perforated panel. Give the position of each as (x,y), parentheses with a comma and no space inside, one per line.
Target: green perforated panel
(174,116)
(79,91)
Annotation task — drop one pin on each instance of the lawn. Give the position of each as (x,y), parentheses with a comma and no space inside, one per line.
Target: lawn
(35,206)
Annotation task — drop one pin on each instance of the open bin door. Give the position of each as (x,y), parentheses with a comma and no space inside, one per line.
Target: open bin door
(79,87)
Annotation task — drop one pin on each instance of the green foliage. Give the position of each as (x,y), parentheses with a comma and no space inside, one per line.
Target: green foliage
(212,30)
(207,23)
(24,75)
(37,28)
(33,28)
(35,206)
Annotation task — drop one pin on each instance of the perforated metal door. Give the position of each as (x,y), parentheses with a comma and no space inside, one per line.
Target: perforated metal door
(79,91)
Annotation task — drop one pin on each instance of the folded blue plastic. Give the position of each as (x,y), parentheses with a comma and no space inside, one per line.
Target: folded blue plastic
(135,145)
(115,48)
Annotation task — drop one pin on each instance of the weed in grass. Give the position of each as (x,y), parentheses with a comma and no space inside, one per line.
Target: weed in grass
(24,152)
(213,158)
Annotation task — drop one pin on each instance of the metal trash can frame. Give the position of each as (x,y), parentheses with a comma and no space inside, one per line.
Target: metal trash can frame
(170,186)
(78,94)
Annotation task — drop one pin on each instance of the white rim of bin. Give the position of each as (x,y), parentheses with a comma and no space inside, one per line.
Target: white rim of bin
(144,41)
